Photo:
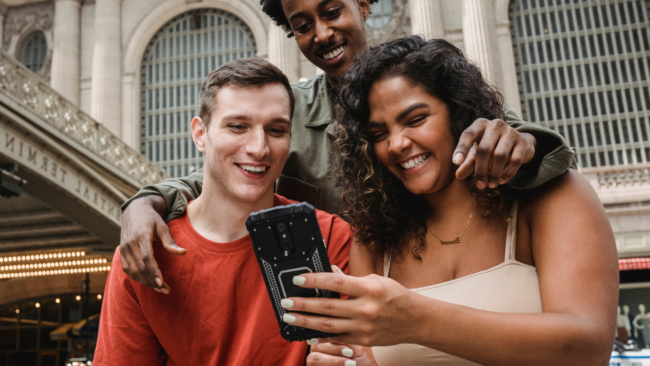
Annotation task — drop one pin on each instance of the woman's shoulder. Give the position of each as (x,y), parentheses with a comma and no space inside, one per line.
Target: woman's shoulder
(569,189)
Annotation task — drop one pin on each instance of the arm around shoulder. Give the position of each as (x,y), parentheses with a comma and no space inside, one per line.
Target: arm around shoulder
(553,156)
(176,193)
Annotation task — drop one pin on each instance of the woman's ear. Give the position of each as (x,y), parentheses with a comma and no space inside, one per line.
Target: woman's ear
(199,133)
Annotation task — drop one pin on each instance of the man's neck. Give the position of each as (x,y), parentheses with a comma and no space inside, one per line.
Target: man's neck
(220,218)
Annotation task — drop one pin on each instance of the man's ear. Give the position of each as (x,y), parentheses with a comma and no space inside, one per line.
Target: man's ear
(199,133)
(364,8)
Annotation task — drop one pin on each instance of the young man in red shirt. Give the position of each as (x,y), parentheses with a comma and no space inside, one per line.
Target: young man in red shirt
(219,313)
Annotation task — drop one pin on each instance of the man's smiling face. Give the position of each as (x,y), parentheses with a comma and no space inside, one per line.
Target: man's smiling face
(330,33)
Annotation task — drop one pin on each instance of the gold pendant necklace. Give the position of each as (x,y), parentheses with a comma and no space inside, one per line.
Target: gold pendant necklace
(458,239)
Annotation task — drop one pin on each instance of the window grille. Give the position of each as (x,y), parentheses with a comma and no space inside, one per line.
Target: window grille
(583,69)
(380,14)
(177,60)
(33,50)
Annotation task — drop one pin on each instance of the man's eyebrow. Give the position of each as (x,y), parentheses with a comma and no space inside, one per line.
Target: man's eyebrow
(241,117)
(410,109)
(300,13)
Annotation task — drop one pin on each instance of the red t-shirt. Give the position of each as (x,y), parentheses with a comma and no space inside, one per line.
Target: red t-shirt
(218,311)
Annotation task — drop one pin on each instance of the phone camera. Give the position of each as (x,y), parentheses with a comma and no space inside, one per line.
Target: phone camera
(281,227)
(286,244)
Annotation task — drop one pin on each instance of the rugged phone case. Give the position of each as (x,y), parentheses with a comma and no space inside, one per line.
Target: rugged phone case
(288,242)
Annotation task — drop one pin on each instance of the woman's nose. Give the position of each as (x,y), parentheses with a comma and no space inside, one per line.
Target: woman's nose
(399,142)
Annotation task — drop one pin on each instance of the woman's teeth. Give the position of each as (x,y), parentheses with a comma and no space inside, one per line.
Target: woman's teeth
(414,162)
(253,169)
(336,52)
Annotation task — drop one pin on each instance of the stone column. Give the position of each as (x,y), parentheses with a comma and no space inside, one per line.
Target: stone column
(479,33)
(3,11)
(426,19)
(284,53)
(105,100)
(65,54)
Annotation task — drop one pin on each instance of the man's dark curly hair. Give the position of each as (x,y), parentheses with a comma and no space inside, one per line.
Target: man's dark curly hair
(383,213)
(273,8)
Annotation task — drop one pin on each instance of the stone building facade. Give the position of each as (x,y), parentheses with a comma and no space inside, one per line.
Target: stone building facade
(580,67)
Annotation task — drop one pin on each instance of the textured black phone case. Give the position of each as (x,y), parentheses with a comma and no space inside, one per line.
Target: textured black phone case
(288,242)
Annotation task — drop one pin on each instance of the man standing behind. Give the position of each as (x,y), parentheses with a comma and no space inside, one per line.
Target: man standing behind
(331,35)
(220,313)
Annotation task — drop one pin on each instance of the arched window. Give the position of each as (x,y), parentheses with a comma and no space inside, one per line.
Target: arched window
(584,70)
(33,50)
(176,62)
(380,14)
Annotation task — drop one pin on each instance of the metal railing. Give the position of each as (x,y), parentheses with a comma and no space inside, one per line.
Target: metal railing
(29,91)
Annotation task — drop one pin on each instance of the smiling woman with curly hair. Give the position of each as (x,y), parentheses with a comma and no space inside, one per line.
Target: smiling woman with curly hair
(454,276)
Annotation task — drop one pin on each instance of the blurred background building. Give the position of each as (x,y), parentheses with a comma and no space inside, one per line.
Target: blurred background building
(96,98)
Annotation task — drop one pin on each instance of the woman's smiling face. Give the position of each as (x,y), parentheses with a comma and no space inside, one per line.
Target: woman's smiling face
(411,134)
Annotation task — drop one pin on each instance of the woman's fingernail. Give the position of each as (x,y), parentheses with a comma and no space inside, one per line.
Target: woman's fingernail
(288,318)
(347,352)
(458,158)
(493,185)
(312,341)
(350,363)
(336,269)
(502,181)
(158,282)
(299,280)
(165,291)
(480,184)
(286,303)
(157,290)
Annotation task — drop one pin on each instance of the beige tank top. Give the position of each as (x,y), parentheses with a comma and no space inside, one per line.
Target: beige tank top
(510,287)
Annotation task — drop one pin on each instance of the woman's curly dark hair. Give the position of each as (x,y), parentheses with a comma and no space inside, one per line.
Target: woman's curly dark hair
(382,211)
(273,8)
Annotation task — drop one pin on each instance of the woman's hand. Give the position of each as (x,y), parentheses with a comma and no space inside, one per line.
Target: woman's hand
(337,354)
(379,312)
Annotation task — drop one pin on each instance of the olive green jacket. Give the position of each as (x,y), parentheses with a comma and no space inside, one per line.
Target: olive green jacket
(308,176)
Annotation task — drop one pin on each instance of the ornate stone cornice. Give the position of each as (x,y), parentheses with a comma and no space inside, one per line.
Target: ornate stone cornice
(26,89)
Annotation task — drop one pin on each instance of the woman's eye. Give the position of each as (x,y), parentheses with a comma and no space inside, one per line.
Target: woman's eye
(378,136)
(416,122)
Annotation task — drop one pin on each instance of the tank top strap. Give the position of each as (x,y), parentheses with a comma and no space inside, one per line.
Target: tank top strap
(511,236)
(387,258)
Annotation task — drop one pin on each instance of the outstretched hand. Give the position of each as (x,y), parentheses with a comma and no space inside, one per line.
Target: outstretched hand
(493,151)
(380,311)
(337,354)
(141,225)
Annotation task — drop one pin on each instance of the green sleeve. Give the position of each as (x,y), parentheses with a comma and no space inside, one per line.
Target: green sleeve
(177,192)
(552,158)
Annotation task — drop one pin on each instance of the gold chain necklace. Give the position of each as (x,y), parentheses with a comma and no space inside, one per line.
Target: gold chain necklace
(458,239)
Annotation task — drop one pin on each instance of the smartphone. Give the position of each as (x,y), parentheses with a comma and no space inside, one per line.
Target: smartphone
(287,242)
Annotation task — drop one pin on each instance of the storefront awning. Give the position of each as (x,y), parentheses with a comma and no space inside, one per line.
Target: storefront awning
(627,264)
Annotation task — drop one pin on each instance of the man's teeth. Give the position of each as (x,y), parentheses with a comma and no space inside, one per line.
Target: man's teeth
(336,52)
(253,169)
(414,162)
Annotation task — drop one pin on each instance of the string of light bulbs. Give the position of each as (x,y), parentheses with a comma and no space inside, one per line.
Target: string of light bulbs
(34,257)
(54,272)
(17,267)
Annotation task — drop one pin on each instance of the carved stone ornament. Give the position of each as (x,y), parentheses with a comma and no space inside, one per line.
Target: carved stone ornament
(22,86)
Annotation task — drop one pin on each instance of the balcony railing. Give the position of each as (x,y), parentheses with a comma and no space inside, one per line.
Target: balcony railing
(29,91)
(620,184)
